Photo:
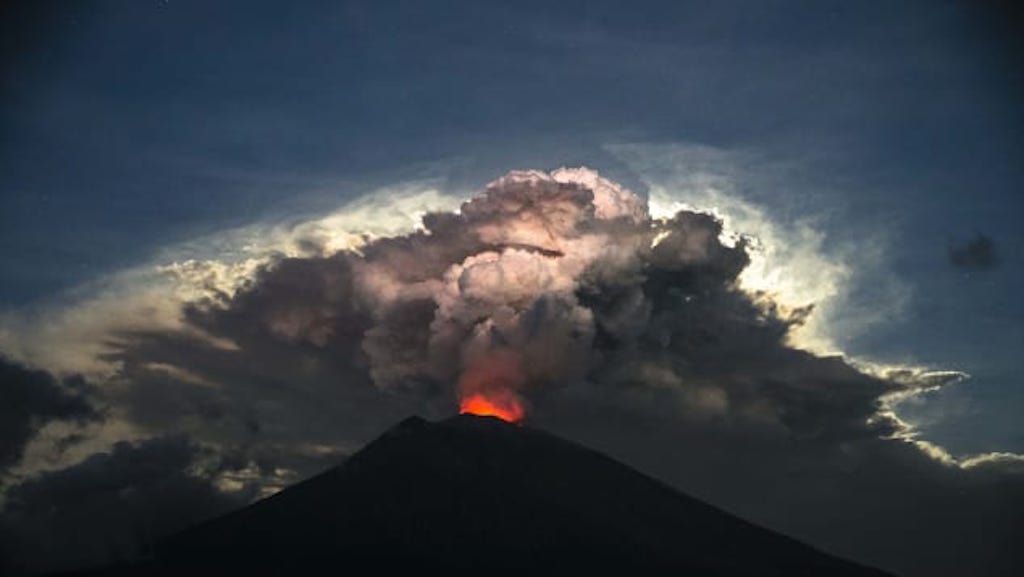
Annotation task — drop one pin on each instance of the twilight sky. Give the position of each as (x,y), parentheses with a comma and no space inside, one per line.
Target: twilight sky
(158,160)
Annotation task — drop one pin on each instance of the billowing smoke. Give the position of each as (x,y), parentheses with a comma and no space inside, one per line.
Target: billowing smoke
(500,285)
(547,281)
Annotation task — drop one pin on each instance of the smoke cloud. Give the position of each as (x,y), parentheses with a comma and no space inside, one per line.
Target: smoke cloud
(112,505)
(548,281)
(31,399)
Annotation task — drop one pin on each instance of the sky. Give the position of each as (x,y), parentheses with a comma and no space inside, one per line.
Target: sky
(177,180)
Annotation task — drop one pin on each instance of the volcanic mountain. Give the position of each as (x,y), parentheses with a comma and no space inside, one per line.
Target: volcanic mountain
(479,495)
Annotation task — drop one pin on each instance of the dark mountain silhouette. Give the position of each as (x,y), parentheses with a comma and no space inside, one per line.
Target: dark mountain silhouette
(476,494)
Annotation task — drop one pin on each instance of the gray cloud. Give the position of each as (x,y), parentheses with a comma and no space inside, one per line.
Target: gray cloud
(112,506)
(32,398)
(978,253)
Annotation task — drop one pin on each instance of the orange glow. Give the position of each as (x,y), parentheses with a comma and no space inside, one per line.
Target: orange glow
(508,408)
(490,386)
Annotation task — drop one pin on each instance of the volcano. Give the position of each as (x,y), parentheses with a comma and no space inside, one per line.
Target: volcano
(480,495)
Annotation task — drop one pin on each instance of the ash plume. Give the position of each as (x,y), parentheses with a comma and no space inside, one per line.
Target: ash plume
(545,282)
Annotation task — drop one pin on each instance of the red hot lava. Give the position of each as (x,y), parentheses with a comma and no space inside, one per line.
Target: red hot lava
(510,409)
(489,387)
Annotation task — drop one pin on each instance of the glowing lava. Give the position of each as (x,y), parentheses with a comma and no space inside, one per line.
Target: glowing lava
(490,386)
(508,408)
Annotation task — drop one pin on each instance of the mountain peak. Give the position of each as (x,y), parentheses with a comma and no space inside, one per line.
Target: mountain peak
(478,494)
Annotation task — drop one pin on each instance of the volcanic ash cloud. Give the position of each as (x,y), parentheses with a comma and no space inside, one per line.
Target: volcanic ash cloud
(538,282)
(548,286)
(501,280)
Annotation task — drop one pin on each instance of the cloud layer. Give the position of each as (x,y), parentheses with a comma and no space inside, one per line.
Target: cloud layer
(33,398)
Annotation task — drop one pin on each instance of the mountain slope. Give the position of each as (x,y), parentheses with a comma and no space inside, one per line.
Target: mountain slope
(475,494)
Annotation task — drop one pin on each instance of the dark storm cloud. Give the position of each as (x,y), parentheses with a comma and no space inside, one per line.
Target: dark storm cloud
(978,253)
(32,398)
(112,505)
(270,390)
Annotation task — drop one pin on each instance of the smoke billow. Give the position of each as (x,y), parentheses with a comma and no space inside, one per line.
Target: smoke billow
(499,281)
(551,281)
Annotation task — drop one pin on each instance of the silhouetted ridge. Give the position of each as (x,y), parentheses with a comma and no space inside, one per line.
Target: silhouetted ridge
(476,494)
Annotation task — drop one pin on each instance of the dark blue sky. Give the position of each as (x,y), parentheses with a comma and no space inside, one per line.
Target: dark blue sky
(130,126)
